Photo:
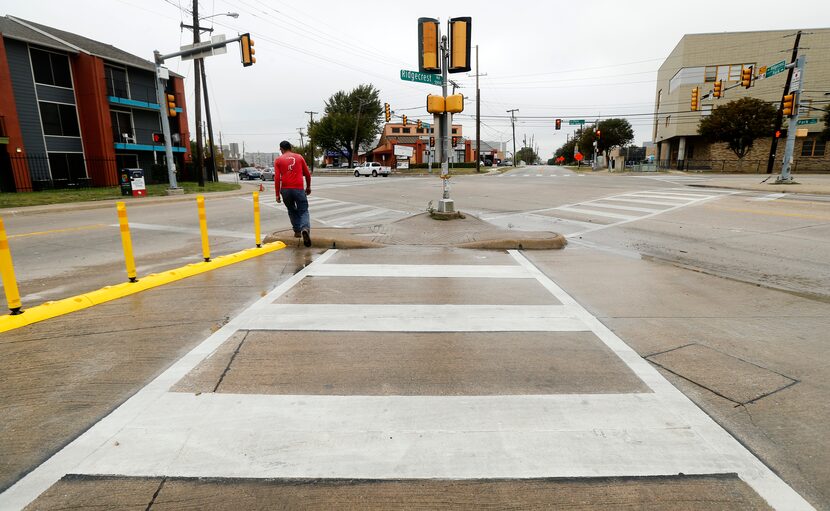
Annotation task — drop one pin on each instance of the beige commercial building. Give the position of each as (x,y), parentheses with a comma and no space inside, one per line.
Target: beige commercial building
(699,60)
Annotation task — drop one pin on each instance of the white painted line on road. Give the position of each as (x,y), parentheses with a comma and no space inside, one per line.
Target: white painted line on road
(602,204)
(409,318)
(732,456)
(641,201)
(189,230)
(769,197)
(597,213)
(420,271)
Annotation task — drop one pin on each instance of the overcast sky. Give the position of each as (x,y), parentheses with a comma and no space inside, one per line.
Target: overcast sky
(549,59)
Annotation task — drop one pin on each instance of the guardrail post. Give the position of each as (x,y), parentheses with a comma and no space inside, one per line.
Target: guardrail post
(200,203)
(7,271)
(257,234)
(126,240)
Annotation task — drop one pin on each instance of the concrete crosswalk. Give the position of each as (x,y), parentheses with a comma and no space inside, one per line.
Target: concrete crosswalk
(676,179)
(582,217)
(335,213)
(321,430)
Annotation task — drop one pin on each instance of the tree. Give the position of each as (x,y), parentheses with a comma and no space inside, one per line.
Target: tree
(346,113)
(614,132)
(739,123)
(527,155)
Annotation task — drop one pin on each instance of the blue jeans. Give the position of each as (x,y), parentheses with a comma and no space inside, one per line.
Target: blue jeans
(297,204)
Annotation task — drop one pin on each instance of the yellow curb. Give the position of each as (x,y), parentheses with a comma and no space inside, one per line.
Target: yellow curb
(50,310)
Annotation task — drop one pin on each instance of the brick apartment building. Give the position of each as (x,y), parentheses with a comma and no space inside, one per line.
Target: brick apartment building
(73,110)
(699,60)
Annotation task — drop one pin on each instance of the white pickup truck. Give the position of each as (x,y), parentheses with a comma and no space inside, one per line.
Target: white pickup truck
(372,168)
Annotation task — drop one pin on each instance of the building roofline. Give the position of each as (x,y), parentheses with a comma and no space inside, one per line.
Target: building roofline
(45,33)
(756,31)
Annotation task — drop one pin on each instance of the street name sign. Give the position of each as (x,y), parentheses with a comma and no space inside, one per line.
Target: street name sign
(416,76)
(774,69)
(807,121)
(209,51)
(576,122)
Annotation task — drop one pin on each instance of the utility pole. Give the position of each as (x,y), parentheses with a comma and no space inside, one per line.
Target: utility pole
(302,143)
(200,169)
(310,142)
(786,176)
(213,176)
(478,118)
(356,124)
(779,117)
(513,123)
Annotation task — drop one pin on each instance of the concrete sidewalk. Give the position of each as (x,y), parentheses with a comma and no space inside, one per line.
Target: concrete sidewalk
(807,184)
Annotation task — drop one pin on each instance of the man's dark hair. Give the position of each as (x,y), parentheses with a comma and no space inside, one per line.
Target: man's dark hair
(285,145)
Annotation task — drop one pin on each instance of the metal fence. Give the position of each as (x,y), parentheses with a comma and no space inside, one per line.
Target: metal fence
(736,166)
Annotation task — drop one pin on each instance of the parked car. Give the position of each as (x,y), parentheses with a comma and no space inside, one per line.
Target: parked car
(249,173)
(267,175)
(373,169)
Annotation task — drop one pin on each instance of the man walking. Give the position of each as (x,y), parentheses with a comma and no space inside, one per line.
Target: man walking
(289,170)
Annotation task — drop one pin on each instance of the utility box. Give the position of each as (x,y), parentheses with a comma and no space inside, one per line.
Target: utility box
(132,183)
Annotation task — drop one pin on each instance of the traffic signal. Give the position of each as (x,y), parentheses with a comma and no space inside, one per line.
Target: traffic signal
(454,103)
(158,138)
(460,32)
(695,99)
(777,133)
(248,51)
(432,141)
(454,141)
(718,92)
(559,124)
(404,120)
(789,104)
(435,104)
(428,47)
(171,105)
(746,76)
(420,124)
(387,112)
(599,134)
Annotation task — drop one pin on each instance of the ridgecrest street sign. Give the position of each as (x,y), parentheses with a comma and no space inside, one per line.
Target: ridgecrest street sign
(576,122)
(416,76)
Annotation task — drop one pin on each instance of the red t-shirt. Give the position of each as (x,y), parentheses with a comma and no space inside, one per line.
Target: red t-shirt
(289,170)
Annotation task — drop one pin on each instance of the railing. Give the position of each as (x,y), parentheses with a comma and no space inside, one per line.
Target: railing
(738,166)
(131,90)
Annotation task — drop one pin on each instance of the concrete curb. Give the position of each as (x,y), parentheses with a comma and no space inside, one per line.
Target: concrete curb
(79,302)
(110,203)
(772,188)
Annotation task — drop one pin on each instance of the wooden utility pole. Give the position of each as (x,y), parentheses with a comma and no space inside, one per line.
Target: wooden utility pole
(197,73)
(779,117)
(310,142)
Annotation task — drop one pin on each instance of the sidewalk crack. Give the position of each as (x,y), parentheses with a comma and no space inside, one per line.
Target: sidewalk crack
(233,357)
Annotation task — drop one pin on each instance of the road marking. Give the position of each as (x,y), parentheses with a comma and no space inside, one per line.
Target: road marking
(58,231)
(592,212)
(617,206)
(190,230)
(772,213)
(420,271)
(330,212)
(771,196)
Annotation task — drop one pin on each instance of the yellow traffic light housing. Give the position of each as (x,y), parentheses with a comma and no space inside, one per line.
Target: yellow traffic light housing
(460,35)
(171,105)
(420,124)
(387,112)
(718,92)
(248,51)
(428,46)
(435,104)
(746,76)
(404,120)
(789,105)
(695,99)
(454,104)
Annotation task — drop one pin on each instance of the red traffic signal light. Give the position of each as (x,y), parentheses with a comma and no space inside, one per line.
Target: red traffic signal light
(432,141)
(454,141)
(158,138)
(559,124)
(599,134)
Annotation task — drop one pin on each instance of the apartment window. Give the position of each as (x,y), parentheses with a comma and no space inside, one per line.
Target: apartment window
(122,127)
(117,82)
(419,130)
(735,72)
(813,147)
(710,74)
(454,131)
(67,166)
(407,130)
(396,130)
(51,68)
(59,119)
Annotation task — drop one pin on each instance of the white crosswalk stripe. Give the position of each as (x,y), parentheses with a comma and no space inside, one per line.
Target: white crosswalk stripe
(676,179)
(654,431)
(574,220)
(335,213)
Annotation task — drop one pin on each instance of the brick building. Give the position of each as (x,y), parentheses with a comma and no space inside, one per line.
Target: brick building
(699,60)
(73,110)
(419,139)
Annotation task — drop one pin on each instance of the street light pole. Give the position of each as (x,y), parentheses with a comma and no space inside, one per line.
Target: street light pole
(513,123)
(310,141)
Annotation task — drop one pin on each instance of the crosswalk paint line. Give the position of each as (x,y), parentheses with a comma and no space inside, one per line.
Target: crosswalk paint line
(768,197)
(642,201)
(690,195)
(659,196)
(410,318)
(360,216)
(597,213)
(617,206)
(420,271)
(733,454)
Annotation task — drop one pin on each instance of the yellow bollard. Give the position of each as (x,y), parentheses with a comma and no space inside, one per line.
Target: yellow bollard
(200,203)
(126,241)
(7,271)
(257,234)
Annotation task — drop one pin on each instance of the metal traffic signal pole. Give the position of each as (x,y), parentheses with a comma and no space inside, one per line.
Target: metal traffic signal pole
(798,78)
(779,117)
(165,121)
(446,204)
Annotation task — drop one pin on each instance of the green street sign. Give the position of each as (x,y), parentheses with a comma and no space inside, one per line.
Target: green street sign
(415,76)
(776,68)
(807,121)
(576,122)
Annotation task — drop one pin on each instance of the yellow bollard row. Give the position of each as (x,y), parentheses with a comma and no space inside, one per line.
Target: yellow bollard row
(52,309)
(7,271)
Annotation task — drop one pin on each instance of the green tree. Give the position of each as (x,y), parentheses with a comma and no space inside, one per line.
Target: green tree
(527,155)
(346,113)
(739,123)
(614,132)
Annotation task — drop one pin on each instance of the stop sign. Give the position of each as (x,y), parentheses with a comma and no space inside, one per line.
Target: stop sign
(578,157)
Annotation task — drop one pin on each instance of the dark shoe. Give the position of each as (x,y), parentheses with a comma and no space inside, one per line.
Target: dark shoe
(306,238)
(297,234)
